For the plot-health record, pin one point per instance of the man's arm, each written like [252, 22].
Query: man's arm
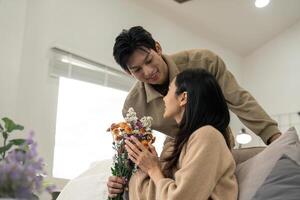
[273, 137]
[242, 103]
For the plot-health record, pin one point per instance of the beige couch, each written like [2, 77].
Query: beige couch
[258, 171]
[96, 173]
[243, 154]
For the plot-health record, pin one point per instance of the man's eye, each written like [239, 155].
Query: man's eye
[137, 70]
[148, 61]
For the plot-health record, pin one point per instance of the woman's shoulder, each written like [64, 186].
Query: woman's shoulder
[207, 134]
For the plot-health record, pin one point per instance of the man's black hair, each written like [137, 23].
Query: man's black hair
[130, 40]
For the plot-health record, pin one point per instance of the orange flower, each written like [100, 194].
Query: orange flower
[145, 143]
[115, 131]
[123, 125]
[117, 137]
[112, 127]
[142, 130]
[128, 130]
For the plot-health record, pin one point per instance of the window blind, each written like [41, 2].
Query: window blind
[66, 64]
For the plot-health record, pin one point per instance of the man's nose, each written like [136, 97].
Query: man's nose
[147, 70]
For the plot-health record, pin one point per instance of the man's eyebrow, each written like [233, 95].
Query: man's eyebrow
[137, 66]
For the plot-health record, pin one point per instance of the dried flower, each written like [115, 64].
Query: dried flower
[141, 129]
[147, 122]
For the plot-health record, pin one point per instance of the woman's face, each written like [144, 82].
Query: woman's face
[174, 104]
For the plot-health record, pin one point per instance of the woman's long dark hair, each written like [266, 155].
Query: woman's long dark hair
[206, 105]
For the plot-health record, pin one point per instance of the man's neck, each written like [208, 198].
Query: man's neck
[162, 89]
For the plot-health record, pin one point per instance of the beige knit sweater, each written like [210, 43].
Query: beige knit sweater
[205, 171]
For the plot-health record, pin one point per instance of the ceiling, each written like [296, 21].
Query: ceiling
[234, 24]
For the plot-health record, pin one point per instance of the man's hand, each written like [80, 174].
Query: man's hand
[115, 185]
[273, 138]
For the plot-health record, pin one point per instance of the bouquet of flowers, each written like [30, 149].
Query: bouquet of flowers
[139, 128]
[21, 170]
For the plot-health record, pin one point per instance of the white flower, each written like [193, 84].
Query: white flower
[147, 122]
[131, 116]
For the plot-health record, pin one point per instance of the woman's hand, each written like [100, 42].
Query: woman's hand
[115, 185]
[145, 158]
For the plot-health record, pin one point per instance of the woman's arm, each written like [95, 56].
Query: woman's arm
[205, 160]
[204, 163]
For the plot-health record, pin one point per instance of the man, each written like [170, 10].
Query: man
[141, 56]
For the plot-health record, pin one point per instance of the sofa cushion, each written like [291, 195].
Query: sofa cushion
[252, 173]
[89, 185]
[283, 182]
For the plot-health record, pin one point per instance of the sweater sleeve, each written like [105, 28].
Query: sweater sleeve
[202, 166]
[240, 101]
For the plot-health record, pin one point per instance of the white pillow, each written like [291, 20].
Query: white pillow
[252, 173]
[89, 185]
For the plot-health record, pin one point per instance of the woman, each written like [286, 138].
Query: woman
[197, 163]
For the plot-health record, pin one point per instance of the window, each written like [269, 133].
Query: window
[84, 112]
[89, 100]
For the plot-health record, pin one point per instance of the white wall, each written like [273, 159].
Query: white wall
[272, 73]
[87, 28]
[12, 21]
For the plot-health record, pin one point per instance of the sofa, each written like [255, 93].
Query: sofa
[271, 172]
[243, 154]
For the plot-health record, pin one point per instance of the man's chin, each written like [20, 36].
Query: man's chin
[154, 83]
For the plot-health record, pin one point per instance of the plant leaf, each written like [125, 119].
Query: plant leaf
[19, 127]
[11, 126]
[5, 148]
[17, 141]
[1, 128]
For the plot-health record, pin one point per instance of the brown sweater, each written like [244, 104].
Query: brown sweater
[205, 171]
[146, 101]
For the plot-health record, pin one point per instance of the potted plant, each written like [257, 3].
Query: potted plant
[21, 169]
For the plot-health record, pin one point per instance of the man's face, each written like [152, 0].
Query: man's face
[148, 66]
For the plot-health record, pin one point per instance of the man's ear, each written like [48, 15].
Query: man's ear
[183, 99]
[158, 48]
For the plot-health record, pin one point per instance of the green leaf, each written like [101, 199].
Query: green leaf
[19, 127]
[5, 148]
[11, 126]
[1, 128]
[17, 141]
